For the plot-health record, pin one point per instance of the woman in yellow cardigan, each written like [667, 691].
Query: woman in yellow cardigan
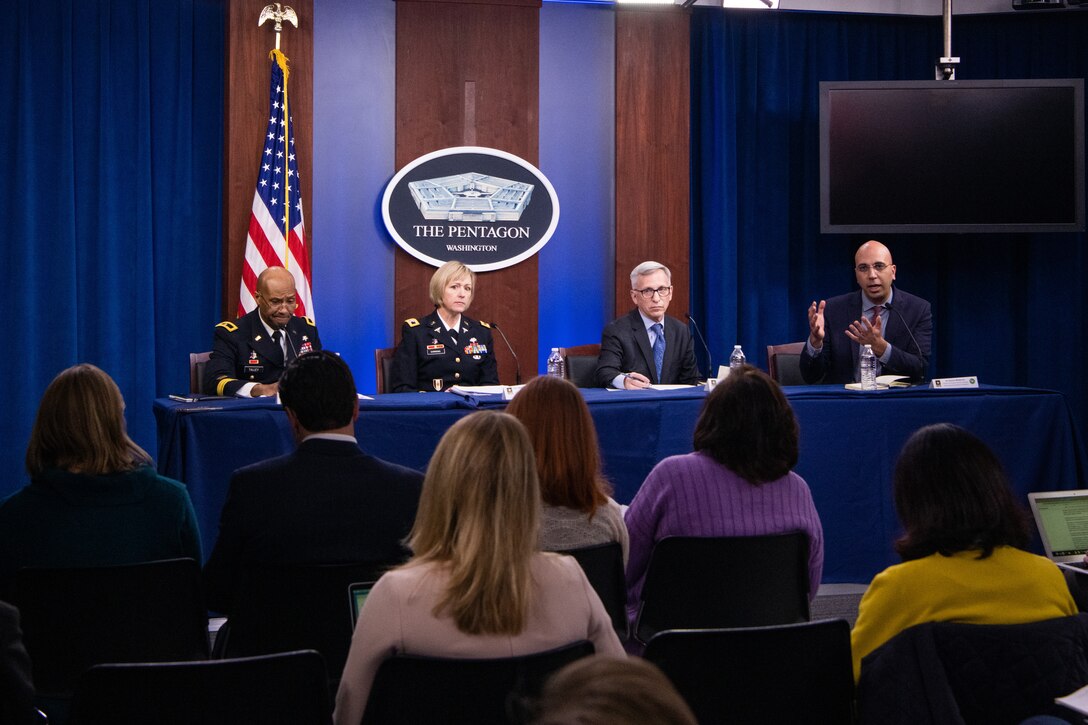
[962, 547]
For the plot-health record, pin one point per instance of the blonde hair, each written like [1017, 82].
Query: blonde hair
[445, 274]
[80, 426]
[478, 516]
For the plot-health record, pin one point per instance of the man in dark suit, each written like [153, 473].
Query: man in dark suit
[250, 353]
[647, 347]
[326, 503]
[896, 324]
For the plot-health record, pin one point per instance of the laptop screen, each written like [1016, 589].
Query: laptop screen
[1062, 518]
[357, 593]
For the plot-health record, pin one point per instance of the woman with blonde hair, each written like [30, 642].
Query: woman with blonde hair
[476, 585]
[94, 498]
[446, 347]
[578, 511]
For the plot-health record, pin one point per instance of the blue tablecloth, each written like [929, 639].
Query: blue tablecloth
[849, 441]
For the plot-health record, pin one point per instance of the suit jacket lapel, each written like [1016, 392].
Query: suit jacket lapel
[643, 340]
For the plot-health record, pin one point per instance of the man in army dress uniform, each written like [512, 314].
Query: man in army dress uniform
[249, 354]
[445, 348]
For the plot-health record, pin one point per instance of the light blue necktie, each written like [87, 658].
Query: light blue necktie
[659, 347]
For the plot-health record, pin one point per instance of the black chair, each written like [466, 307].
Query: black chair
[581, 364]
[791, 673]
[291, 607]
[950, 673]
[288, 687]
[733, 581]
[784, 363]
[75, 618]
[435, 690]
[603, 566]
[197, 362]
[383, 367]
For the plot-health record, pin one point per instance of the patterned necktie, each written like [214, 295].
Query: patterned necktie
[659, 347]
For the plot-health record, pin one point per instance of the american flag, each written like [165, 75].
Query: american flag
[277, 204]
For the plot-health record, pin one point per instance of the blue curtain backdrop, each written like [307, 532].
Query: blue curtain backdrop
[1007, 307]
[111, 134]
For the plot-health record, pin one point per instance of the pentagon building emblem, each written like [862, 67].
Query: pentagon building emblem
[485, 207]
[471, 197]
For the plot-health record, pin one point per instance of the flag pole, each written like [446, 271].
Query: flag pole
[278, 13]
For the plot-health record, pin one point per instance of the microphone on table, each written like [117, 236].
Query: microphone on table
[287, 336]
[917, 347]
[517, 365]
[709, 361]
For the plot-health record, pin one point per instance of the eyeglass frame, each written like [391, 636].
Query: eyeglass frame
[649, 292]
[864, 268]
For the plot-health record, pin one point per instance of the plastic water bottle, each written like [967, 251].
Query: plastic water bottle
[556, 367]
[737, 358]
[867, 366]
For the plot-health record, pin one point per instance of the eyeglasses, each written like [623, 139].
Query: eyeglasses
[649, 292]
[277, 302]
[879, 267]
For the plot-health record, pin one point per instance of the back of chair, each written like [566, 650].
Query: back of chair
[383, 366]
[949, 673]
[435, 690]
[790, 673]
[280, 608]
[603, 566]
[75, 618]
[784, 363]
[287, 687]
[197, 362]
[581, 364]
[732, 581]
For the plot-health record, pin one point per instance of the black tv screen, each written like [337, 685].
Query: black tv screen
[952, 156]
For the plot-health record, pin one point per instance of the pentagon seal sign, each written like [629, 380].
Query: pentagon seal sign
[485, 207]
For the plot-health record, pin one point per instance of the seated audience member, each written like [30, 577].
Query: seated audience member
[325, 503]
[446, 347]
[962, 547]
[250, 353]
[476, 585]
[895, 323]
[603, 690]
[16, 688]
[94, 498]
[647, 347]
[578, 511]
[738, 482]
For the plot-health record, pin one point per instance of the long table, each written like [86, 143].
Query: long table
[849, 442]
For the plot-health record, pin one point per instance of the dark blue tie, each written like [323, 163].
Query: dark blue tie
[659, 348]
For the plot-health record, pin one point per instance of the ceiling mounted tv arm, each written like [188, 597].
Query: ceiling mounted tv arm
[946, 66]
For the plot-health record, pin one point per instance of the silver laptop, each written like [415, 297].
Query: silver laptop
[1062, 518]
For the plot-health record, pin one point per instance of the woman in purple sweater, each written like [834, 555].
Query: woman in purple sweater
[738, 481]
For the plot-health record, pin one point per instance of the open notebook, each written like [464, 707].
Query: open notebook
[1062, 518]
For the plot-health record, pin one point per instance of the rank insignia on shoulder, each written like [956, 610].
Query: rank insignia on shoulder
[412, 322]
[485, 324]
[228, 326]
[310, 321]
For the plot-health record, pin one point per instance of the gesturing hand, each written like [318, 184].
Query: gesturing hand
[816, 324]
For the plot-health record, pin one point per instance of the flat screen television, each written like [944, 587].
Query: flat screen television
[952, 156]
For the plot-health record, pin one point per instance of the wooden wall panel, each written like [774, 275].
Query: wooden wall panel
[246, 109]
[653, 147]
[468, 74]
